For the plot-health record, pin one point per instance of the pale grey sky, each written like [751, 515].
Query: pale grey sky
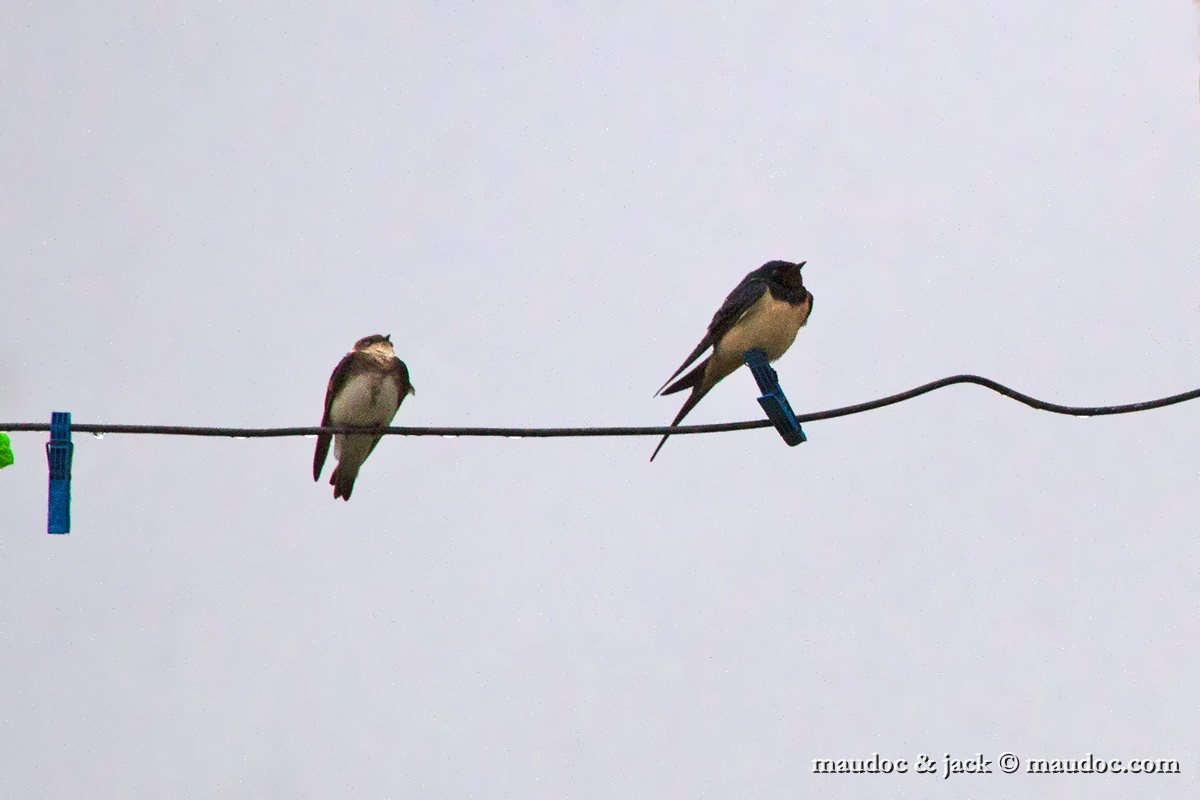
[543, 204]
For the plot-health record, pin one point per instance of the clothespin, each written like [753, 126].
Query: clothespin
[58, 452]
[773, 400]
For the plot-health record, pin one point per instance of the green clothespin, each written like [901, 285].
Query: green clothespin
[6, 456]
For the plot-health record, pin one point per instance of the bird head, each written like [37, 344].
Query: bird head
[374, 340]
[788, 273]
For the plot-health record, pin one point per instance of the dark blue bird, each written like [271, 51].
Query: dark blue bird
[766, 310]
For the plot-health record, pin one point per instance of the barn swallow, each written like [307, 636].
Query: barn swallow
[767, 310]
[366, 388]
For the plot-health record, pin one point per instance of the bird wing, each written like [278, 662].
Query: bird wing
[336, 381]
[744, 295]
[400, 370]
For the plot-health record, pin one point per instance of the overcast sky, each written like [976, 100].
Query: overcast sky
[202, 208]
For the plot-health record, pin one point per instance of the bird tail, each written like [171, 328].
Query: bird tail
[693, 378]
[698, 392]
[342, 479]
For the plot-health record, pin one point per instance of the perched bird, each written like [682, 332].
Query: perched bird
[366, 388]
[766, 310]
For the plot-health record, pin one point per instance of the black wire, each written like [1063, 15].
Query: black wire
[999, 388]
[844, 411]
[266, 433]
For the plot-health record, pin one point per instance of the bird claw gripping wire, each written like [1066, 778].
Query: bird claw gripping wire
[773, 400]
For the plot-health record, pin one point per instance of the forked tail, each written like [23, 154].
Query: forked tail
[342, 480]
[695, 397]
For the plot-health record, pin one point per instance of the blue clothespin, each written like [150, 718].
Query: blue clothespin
[58, 452]
[773, 400]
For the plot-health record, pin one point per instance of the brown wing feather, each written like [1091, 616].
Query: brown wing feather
[336, 381]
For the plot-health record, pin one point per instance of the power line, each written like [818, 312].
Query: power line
[844, 411]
